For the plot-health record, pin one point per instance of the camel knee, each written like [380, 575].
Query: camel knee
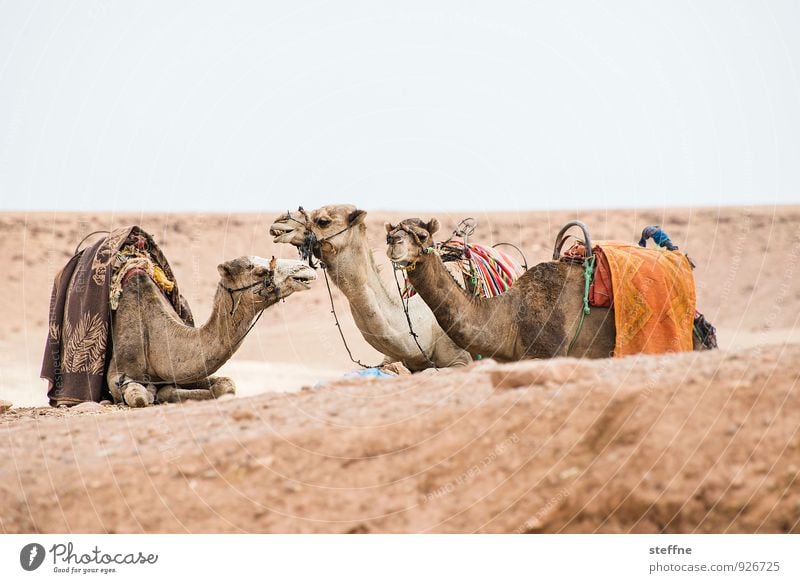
[113, 388]
[137, 395]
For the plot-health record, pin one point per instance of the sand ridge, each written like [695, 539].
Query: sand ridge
[700, 442]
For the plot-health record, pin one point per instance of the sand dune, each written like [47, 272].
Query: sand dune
[685, 443]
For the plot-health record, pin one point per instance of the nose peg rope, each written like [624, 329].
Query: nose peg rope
[336, 321]
[404, 303]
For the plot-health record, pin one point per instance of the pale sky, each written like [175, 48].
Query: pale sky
[239, 106]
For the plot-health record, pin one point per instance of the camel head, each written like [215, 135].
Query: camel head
[324, 231]
[262, 282]
[408, 241]
[290, 227]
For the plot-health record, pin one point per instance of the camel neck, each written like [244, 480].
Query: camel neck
[468, 320]
[437, 287]
[354, 272]
[223, 332]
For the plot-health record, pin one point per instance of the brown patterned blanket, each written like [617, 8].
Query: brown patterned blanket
[79, 336]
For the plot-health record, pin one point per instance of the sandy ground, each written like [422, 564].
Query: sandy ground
[676, 443]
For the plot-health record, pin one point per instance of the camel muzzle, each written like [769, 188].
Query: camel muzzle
[281, 232]
[396, 256]
[304, 278]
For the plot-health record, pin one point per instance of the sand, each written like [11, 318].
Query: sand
[697, 442]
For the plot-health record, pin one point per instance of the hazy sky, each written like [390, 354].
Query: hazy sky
[234, 106]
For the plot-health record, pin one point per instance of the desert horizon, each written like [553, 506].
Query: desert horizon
[48, 239]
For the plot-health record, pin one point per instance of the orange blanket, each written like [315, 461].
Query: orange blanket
[654, 299]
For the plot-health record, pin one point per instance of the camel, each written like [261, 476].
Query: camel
[537, 318]
[157, 357]
[341, 243]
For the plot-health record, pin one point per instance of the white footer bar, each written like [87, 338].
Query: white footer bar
[403, 558]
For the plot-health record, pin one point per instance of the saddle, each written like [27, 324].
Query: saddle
[651, 290]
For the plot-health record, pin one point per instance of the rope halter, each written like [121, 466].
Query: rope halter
[267, 284]
[418, 235]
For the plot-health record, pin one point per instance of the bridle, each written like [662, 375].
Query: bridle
[416, 236]
[312, 245]
[267, 286]
[308, 250]
[410, 267]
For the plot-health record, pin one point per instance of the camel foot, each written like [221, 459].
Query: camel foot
[221, 386]
[137, 395]
[167, 394]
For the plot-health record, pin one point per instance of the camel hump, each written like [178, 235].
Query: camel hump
[134, 274]
[550, 273]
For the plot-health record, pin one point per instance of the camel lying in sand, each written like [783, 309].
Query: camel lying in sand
[376, 308]
[156, 356]
[536, 318]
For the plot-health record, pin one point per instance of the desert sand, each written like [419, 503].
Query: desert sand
[676, 443]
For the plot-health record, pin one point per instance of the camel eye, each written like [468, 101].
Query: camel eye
[323, 222]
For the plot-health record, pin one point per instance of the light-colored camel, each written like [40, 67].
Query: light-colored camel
[536, 318]
[157, 357]
[376, 307]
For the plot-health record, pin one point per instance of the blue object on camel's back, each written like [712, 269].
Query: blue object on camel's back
[659, 237]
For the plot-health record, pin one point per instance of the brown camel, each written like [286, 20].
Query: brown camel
[537, 318]
[376, 307]
[157, 357]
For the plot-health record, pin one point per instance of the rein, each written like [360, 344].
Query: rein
[406, 269]
[311, 249]
[268, 286]
[404, 303]
[336, 320]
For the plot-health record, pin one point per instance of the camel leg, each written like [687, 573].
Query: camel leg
[222, 386]
[175, 394]
[131, 393]
[210, 388]
[116, 394]
[217, 385]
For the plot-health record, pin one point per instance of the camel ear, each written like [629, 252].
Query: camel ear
[433, 226]
[225, 269]
[388, 226]
[357, 216]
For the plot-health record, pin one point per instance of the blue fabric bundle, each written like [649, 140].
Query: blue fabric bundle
[659, 237]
